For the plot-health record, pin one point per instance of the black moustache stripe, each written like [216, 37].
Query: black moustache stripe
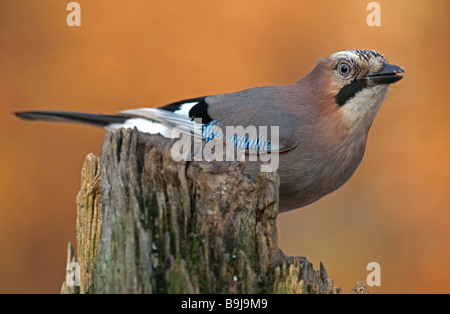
[348, 91]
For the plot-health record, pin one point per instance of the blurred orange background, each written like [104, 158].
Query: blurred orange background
[127, 54]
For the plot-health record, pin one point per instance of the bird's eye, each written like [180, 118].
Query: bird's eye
[344, 68]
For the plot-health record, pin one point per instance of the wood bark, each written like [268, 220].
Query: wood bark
[149, 224]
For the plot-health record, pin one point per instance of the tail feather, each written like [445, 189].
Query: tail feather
[100, 120]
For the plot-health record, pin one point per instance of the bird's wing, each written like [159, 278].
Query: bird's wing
[258, 109]
[184, 115]
[266, 107]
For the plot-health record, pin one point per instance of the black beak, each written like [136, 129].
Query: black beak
[387, 75]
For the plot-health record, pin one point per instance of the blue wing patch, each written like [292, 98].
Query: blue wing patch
[209, 132]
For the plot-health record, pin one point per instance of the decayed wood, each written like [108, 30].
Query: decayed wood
[87, 227]
[180, 227]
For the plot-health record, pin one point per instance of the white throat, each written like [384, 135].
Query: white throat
[360, 111]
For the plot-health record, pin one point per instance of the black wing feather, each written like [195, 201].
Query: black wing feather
[200, 110]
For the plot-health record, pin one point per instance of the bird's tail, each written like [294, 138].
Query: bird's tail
[100, 120]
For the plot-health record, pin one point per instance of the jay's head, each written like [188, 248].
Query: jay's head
[357, 81]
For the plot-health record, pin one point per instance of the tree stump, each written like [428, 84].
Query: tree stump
[148, 224]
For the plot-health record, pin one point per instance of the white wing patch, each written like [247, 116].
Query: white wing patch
[143, 125]
[185, 108]
[168, 119]
[155, 120]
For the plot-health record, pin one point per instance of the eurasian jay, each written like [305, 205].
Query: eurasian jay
[323, 121]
